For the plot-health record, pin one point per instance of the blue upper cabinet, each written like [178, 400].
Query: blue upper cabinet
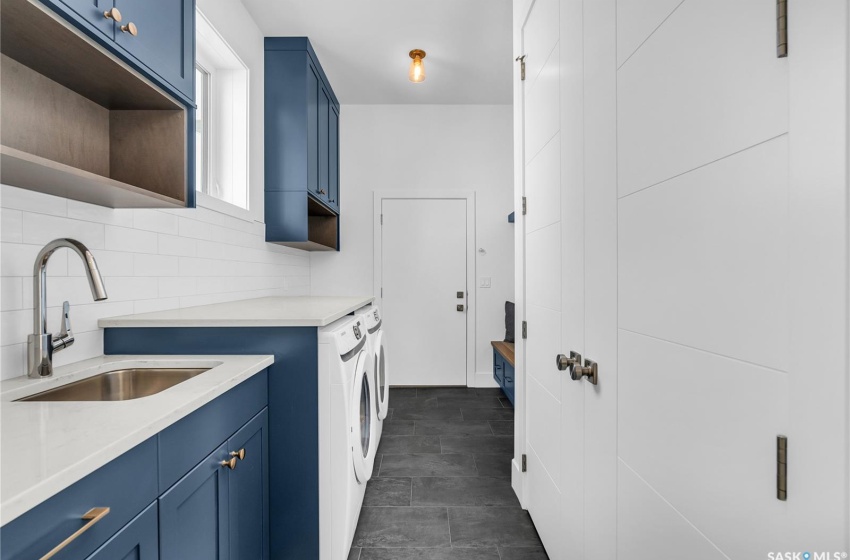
[164, 40]
[156, 37]
[302, 147]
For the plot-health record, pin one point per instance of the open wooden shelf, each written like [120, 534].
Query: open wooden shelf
[78, 123]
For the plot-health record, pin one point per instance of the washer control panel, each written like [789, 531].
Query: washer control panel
[349, 336]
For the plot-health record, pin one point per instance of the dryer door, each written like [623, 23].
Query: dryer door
[382, 385]
[363, 421]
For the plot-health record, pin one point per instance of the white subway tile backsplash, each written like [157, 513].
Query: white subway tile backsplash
[153, 220]
[151, 260]
[155, 265]
[21, 199]
[178, 246]
[130, 240]
[40, 229]
[11, 294]
[11, 226]
[90, 213]
[18, 260]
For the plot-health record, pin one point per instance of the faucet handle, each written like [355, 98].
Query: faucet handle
[66, 335]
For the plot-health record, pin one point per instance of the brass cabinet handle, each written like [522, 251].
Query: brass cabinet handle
[112, 13]
[230, 463]
[238, 454]
[92, 516]
[130, 28]
[322, 191]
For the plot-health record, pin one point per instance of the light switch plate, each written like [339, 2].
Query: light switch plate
[484, 282]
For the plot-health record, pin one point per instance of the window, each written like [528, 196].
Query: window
[221, 127]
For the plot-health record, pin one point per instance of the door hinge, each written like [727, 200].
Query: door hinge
[382, 292]
[382, 219]
[781, 468]
[521, 60]
[524, 329]
[781, 28]
[524, 206]
[524, 462]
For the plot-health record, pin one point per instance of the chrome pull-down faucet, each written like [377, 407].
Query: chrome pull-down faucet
[41, 345]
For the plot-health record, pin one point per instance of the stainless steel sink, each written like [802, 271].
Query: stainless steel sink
[119, 385]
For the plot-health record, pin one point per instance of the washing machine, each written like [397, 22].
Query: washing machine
[371, 317]
[347, 432]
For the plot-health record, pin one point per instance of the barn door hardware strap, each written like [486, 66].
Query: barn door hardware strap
[781, 28]
[781, 468]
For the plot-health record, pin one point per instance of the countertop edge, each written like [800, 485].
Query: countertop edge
[144, 320]
[25, 501]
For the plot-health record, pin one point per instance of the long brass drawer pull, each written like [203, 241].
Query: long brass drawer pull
[92, 516]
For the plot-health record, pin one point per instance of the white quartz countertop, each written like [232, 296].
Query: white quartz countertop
[261, 312]
[48, 446]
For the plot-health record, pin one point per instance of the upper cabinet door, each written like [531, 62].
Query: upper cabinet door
[93, 12]
[164, 40]
[313, 89]
[324, 109]
[333, 156]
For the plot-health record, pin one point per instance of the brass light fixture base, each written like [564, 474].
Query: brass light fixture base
[417, 52]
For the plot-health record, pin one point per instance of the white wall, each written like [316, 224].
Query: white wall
[150, 259]
[421, 147]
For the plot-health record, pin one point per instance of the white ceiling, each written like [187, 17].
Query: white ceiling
[363, 46]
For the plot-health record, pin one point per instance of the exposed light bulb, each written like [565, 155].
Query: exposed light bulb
[416, 73]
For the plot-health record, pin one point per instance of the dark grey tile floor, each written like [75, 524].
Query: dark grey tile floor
[441, 489]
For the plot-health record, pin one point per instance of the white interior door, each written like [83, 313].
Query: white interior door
[424, 289]
[554, 278]
[706, 332]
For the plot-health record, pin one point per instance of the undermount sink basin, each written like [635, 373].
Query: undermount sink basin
[119, 385]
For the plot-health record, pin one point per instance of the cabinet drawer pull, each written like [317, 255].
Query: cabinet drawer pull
[112, 13]
[230, 464]
[130, 28]
[238, 454]
[92, 516]
[322, 191]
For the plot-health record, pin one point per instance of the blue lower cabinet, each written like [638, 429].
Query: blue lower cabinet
[503, 373]
[498, 368]
[220, 509]
[138, 540]
[194, 513]
[126, 486]
[293, 419]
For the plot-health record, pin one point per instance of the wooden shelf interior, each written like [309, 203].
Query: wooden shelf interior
[77, 123]
[322, 226]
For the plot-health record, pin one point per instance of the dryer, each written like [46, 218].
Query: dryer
[376, 339]
[347, 432]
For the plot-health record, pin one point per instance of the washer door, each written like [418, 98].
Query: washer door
[382, 385]
[362, 423]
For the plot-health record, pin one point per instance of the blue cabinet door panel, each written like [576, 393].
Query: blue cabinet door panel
[184, 444]
[313, 92]
[126, 486]
[89, 11]
[193, 514]
[324, 137]
[166, 39]
[249, 491]
[333, 157]
[138, 540]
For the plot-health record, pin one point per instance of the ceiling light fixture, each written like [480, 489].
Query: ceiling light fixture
[417, 67]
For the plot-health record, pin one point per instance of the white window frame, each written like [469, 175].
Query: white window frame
[202, 197]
